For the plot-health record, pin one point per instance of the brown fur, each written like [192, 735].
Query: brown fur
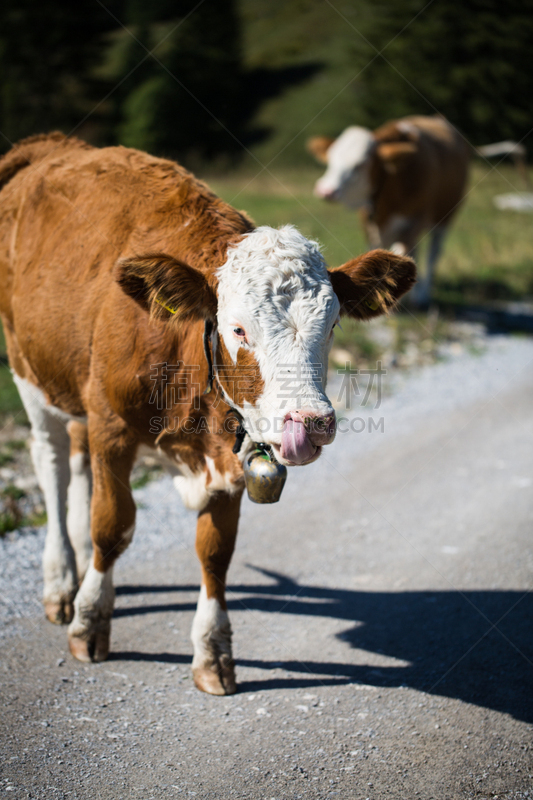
[79, 439]
[215, 542]
[242, 380]
[31, 150]
[418, 172]
[318, 146]
[373, 283]
[163, 286]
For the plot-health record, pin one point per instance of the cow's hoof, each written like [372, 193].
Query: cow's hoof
[92, 648]
[215, 680]
[59, 613]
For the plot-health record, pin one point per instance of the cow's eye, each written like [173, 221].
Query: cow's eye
[240, 333]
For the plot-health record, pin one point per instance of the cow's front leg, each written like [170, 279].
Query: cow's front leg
[79, 497]
[112, 525]
[424, 287]
[372, 231]
[212, 666]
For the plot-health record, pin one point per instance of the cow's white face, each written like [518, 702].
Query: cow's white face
[275, 307]
[347, 178]
[276, 315]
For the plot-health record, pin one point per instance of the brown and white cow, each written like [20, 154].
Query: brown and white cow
[406, 177]
[111, 263]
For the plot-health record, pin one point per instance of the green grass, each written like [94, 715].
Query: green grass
[13, 492]
[35, 520]
[307, 34]
[286, 196]
[8, 450]
[10, 403]
[355, 339]
[488, 254]
[144, 474]
[11, 515]
[8, 522]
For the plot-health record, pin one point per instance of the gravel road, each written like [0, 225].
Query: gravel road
[381, 615]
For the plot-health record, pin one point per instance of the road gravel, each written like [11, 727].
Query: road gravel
[381, 616]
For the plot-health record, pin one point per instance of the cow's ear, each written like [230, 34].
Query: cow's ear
[392, 154]
[166, 287]
[318, 146]
[373, 283]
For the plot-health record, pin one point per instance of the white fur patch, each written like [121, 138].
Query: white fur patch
[79, 511]
[95, 600]
[211, 631]
[190, 485]
[347, 177]
[192, 489]
[50, 453]
[398, 248]
[34, 398]
[127, 536]
[275, 286]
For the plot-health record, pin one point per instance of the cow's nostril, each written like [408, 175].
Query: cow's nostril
[320, 428]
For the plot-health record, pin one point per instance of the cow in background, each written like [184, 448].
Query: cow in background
[407, 177]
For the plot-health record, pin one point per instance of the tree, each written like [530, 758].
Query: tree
[471, 62]
[47, 50]
[184, 100]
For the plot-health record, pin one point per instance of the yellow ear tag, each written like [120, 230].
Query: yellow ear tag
[163, 305]
[372, 304]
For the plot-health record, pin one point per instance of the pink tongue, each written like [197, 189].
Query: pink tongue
[295, 443]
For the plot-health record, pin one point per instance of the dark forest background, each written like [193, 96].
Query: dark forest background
[221, 81]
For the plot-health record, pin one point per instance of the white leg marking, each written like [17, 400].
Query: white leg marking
[94, 602]
[422, 290]
[399, 249]
[79, 507]
[50, 453]
[435, 249]
[211, 632]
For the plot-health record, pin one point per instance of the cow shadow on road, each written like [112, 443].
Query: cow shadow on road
[475, 646]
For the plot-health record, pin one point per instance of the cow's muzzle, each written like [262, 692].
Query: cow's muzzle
[325, 194]
[303, 436]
